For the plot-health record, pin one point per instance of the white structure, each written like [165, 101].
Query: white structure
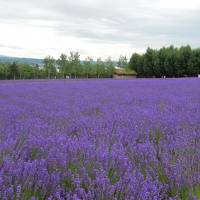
[198, 75]
[116, 67]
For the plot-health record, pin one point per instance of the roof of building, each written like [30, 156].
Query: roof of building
[125, 72]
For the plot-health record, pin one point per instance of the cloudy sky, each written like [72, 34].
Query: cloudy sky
[97, 28]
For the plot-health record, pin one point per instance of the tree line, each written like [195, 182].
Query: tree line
[20, 71]
[71, 66]
[167, 62]
[66, 66]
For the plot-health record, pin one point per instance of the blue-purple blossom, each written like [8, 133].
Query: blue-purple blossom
[100, 139]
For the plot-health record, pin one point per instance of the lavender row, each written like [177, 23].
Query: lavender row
[100, 139]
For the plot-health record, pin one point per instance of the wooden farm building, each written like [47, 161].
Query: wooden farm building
[121, 73]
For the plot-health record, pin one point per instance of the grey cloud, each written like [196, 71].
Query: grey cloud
[10, 46]
[133, 22]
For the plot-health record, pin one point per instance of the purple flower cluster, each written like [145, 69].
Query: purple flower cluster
[100, 139]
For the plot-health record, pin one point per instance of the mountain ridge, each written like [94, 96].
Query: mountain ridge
[20, 60]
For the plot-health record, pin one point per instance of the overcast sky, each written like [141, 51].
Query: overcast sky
[97, 28]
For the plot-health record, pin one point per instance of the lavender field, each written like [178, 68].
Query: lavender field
[100, 139]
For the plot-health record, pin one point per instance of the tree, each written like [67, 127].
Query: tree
[194, 64]
[109, 66]
[63, 64]
[100, 68]
[26, 71]
[88, 68]
[14, 70]
[74, 62]
[122, 62]
[1, 71]
[149, 62]
[49, 66]
[170, 64]
[4, 71]
[36, 71]
[185, 54]
[167, 61]
[160, 62]
[136, 64]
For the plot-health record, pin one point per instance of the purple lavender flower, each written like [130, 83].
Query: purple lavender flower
[100, 139]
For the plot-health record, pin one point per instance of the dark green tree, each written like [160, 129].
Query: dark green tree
[149, 62]
[14, 70]
[194, 64]
[136, 64]
[184, 57]
[170, 64]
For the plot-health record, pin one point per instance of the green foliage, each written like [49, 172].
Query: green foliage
[149, 62]
[194, 63]
[167, 61]
[88, 68]
[196, 191]
[113, 175]
[49, 66]
[26, 71]
[161, 175]
[4, 71]
[72, 167]
[27, 194]
[122, 62]
[13, 70]
[185, 193]
[75, 66]
[35, 153]
[63, 65]
[136, 63]
[67, 184]
[158, 136]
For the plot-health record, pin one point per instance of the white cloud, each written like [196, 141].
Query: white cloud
[36, 28]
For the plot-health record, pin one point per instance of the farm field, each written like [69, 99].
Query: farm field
[100, 139]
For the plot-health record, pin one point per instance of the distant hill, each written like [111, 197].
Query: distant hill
[30, 61]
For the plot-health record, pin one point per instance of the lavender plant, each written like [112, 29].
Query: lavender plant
[100, 139]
